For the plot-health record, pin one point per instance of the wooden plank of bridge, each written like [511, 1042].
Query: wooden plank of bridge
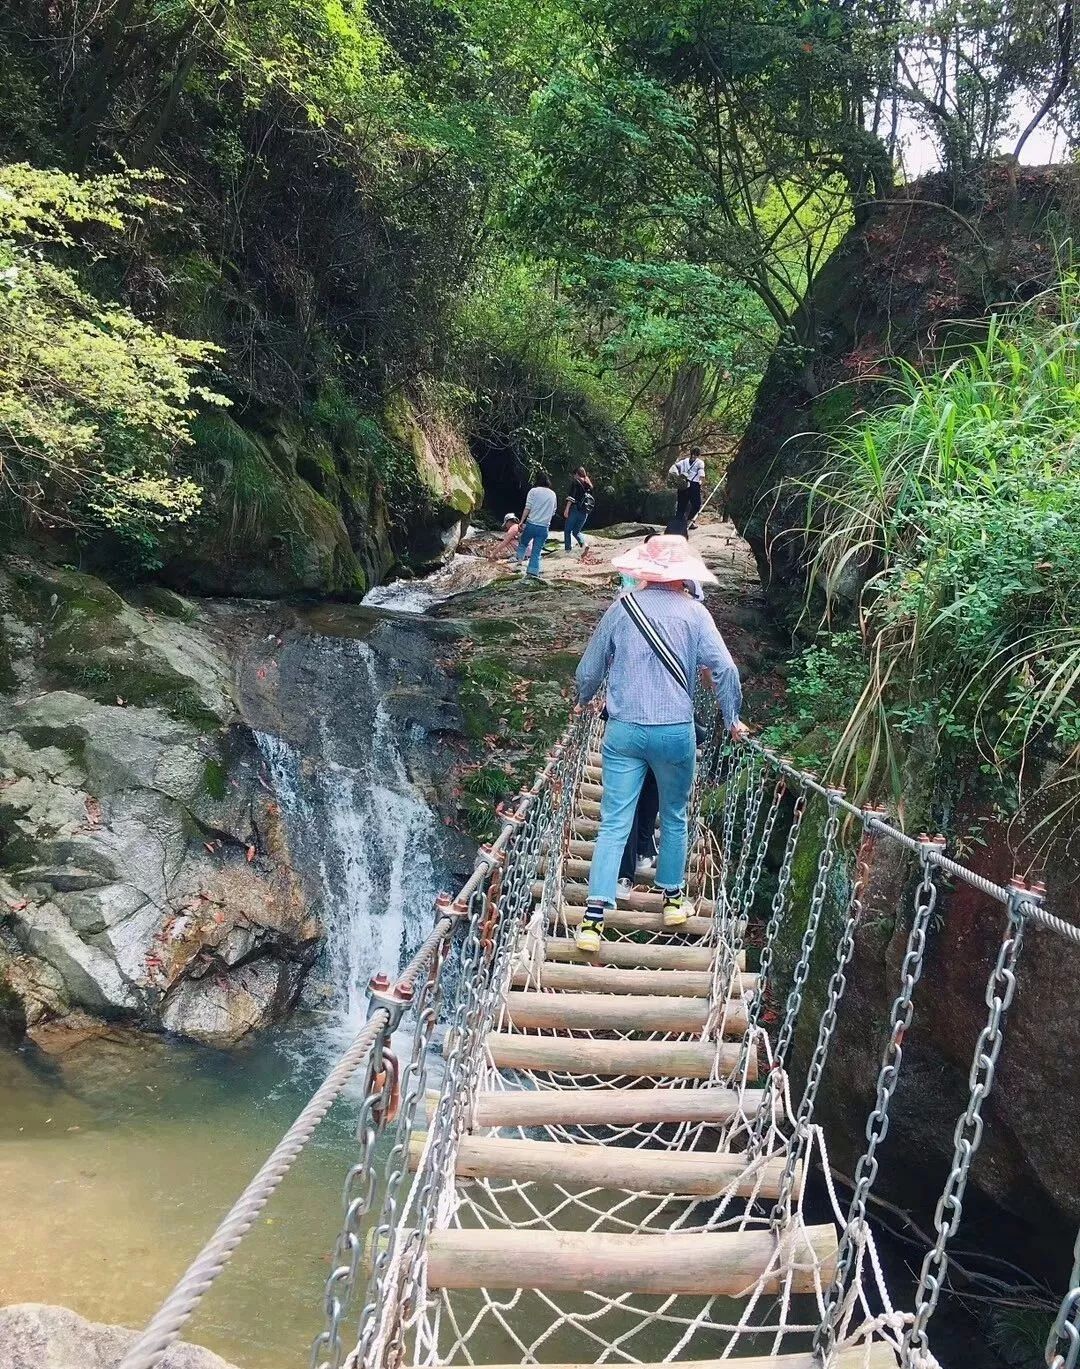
[636, 955]
[608, 979]
[640, 900]
[634, 920]
[572, 1012]
[613, 1107]
[693, 1173]
[709, 1263]
[577, 869]
[644, 1059]
[585, 848]
[878, 1355]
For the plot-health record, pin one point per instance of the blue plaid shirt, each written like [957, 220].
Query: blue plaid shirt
[639, 688]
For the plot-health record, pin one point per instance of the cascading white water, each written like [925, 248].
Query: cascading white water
[373, 843]
[417, 596]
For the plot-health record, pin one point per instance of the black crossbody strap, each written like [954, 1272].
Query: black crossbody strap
[664, 653]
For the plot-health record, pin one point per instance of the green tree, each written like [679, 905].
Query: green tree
[94, 404]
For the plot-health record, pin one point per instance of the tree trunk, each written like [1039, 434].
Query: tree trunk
[682, 409]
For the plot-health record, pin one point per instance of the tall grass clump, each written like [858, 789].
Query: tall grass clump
[950, 517]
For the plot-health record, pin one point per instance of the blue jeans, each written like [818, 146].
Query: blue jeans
[536, 534]
[574, 524]
[629, 750]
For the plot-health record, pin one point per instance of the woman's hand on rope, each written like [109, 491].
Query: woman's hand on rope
[739, 731]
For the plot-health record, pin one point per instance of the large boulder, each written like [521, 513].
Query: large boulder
[38, 1336]
[323, 506]
[143, 870]
[896, 286]
[448, 487]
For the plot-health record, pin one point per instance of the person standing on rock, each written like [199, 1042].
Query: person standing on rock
[650, 646]
[540, 505]
[579, 504]
[689, 477]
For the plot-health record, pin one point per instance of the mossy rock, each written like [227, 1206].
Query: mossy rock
[57, 594]
[445, 468]
[266, 531]
[215, 780]
[491, 629]
[169, 604]
[109, 677]
[8, 678]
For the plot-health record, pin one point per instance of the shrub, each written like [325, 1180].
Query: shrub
[951, 517]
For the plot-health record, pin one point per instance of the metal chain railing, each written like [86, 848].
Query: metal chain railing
[499, 907]
[1000, 989]
[1063, 1346]
[845, 949]
[877, 1125]
[800, 974]
[779, 907]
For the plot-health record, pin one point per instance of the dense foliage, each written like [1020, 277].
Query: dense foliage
[613, 206]
[952, 514]
[608, 211]
[93, 403]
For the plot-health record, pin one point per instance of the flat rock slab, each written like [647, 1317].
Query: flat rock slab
[37, 1336]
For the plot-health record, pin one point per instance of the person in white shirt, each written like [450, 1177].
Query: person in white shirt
[690, 474]
[540, 506]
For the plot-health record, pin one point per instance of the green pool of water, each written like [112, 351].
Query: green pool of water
[118, 1158]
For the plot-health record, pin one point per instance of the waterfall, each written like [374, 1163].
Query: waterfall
[363, 835]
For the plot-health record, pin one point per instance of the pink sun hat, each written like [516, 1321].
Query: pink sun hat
[663, 560]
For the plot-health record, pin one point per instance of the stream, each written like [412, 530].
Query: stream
[119, 1157]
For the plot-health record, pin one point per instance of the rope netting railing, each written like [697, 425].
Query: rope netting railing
[780, 864]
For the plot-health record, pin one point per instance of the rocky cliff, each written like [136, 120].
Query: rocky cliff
[902, 284]
[151, 868]
[326, 504]
[143, 872]
[899, 285]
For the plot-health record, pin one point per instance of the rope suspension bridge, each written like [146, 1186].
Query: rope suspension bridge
[613, 1167]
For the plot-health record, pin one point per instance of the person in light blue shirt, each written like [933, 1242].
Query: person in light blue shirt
[540, 506]
[651, 715]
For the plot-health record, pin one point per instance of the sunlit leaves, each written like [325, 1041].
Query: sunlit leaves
[94, 403]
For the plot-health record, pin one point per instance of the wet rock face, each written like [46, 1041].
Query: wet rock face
[357, 694]
[37, 1336]
[142, 868]
[293, 507]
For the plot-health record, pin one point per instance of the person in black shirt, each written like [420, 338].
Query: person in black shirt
[579, 504]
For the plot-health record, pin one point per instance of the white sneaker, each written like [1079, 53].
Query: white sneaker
[645, 868]
[625, 886]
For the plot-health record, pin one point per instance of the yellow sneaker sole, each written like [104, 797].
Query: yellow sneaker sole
[589, 942]
[675, 917]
